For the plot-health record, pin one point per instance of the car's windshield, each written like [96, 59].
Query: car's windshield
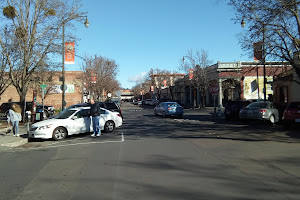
[257, 105]
[65, 114]
[295, 105]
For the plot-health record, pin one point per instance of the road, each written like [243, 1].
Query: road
[158, 158]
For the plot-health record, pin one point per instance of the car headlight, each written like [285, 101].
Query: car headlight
[45, 127]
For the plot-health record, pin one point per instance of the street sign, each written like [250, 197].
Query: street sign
[214, 89]
[43, 86]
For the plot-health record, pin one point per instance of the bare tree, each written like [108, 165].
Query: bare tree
[197, 61]
[275, 23]
[160, 79]
[4, 75]
[36, 35]
[100, 75]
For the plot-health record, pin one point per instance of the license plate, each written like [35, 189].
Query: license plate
[250, 111]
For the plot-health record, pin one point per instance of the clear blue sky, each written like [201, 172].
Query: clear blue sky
[144, 34]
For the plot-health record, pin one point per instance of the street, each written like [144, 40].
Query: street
[152, 157]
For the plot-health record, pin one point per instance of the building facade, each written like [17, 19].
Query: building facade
[73, 94]
[244, 80]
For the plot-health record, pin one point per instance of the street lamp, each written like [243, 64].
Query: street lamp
[86, 24]
[243, 24]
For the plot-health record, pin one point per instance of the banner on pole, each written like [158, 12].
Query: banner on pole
[191, 74]
[70, 53]
[258, 48]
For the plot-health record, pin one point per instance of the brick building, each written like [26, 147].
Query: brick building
[243, 80]
[73, 94]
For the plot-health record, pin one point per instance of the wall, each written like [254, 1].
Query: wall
[54, 97]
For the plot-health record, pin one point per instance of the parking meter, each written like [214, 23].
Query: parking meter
[28, 117]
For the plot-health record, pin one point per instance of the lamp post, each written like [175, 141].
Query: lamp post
[86, 24]
[243, 24]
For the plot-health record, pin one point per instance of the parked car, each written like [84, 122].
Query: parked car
[232, 108]
[135, 102]
[112, 106]
[168, 109]
[48, 110]
[265, 111]
[73, 121]
[292, 113]
[151, 102]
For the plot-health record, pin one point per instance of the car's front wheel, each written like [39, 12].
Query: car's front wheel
[59, 133]
[109, 126]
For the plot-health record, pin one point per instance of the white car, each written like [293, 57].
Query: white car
[73, 121]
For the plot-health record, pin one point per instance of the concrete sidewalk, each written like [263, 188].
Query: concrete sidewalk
[206, 114]
[8, 140]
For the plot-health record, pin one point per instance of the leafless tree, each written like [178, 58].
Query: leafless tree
[160, 79]
[198, 61]
[4, 75]
[100, 76]
[275, 23]
[35, 27]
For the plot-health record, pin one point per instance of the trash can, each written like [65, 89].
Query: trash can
[39, 115]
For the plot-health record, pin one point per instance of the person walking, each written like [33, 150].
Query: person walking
[95, 113]
[14, 116]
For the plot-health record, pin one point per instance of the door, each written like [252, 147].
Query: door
[80, 122]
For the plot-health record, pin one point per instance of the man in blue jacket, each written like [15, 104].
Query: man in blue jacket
[95, 113]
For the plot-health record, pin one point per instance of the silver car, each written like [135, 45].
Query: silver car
[261, 111]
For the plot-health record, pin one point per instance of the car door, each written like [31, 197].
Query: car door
[157, 109]
[103, 118]
[161, 108]
[79, 123]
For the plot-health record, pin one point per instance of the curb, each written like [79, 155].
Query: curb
[15, 144]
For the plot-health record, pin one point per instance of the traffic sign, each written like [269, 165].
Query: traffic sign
[214, 89]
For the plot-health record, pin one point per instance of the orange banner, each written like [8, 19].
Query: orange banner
[70, 53]
[191, 74]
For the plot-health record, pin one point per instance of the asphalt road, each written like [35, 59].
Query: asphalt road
[158, 158]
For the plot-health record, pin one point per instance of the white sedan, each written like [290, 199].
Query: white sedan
[73, 121]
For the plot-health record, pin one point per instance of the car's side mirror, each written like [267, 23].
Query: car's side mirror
[74, 117]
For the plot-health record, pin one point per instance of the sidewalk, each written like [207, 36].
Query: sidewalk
[206, 114]
[8, 140]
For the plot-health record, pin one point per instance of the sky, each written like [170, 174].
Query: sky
[144, 34]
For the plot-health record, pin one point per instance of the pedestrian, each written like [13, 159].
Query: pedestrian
[95, 113]
[14, 117]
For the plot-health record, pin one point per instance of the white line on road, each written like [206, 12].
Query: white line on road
[82, 143]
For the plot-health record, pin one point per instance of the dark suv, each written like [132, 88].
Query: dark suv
[232, 108]
[112, 106]
[48, 110]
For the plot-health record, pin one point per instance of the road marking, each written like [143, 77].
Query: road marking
[53, 145]
[65, 145]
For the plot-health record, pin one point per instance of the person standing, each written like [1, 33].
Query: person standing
[95, 113]
[14, 116]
